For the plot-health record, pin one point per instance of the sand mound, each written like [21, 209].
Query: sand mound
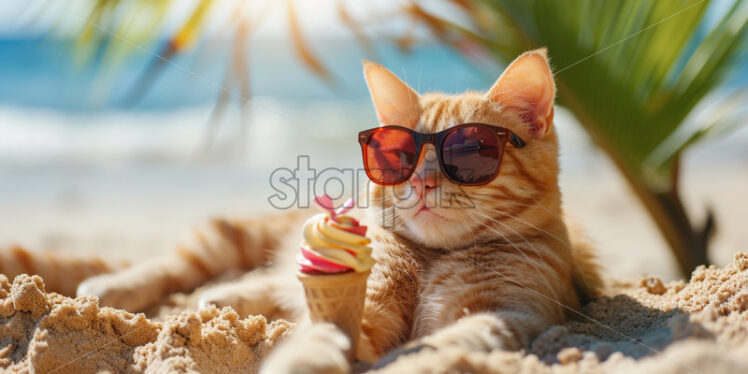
[48, 333]
[645, 326]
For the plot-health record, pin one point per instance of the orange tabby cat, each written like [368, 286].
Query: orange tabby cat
[486, 267]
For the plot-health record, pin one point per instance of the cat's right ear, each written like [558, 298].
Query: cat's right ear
[395, 102]
[527, 87]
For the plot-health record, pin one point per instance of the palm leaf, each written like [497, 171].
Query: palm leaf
[632, 72]
[628, 88]
[302, 48]
[356, 30]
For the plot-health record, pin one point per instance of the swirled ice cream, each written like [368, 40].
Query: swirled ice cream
[334, 243]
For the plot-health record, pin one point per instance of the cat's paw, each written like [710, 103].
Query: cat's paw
[118, 290]
[316, 348]
[247, 297]
[476, 332]
[217, 298]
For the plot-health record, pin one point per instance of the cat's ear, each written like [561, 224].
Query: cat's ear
[527, 87]
[396, 103]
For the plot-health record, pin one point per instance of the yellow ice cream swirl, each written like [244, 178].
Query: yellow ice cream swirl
[335, 245]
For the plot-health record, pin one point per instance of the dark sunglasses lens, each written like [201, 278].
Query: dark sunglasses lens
[390, 156]
[472, 154]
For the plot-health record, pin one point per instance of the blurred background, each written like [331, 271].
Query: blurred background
[123, 123]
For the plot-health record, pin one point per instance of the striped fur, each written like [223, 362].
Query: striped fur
[490, 269]
[61, 272]
[207, 252]
[494, 265]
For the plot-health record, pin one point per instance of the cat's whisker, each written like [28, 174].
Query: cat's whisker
[565, 243]
[533, 263]
[555, 216]
[514, 245]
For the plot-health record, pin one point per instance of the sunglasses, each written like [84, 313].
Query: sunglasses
[469, 154]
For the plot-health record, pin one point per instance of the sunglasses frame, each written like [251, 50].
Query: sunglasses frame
[437, 140]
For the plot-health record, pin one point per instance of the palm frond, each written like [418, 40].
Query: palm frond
[633, 72]
[301, 46]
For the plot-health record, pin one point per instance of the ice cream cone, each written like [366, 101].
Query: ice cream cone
[338, 299]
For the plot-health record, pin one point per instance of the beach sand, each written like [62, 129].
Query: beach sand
[645, 326]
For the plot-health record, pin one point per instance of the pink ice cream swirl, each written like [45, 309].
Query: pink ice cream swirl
[334, 243]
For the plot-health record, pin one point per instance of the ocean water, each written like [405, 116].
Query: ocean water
[58, 117]
[42, 72]
[54, 111]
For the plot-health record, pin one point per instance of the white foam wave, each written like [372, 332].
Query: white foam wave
[276, 131]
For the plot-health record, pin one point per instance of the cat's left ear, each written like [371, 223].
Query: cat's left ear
[527, 87]
[395, 102]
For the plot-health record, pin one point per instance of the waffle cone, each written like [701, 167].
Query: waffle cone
[338, 299]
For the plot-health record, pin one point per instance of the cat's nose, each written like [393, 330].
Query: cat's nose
[422, 183]
[426, 176]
